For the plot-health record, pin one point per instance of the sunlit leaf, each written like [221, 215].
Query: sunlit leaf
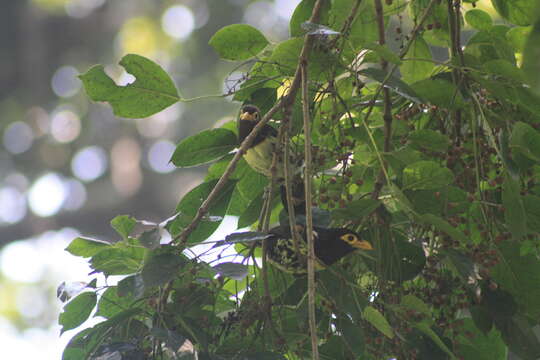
[203, 147]
[238, 42]
[77, 311]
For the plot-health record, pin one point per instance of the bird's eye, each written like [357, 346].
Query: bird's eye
[351, 238]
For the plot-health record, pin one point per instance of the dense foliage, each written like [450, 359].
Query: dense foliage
[432, 161]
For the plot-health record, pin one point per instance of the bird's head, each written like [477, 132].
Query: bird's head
[354, 240]
[250, 113]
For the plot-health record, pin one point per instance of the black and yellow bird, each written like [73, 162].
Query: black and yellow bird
[259, 155]
[330, 245]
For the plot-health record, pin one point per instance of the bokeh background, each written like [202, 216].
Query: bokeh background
[68, 166]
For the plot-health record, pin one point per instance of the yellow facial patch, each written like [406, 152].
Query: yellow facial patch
[355, 242]
[249, 116]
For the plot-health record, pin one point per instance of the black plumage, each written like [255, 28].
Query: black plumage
[330, 245]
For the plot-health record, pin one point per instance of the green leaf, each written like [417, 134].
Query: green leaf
[191, 202]
[162, 266]
[420, 65]
[118, 261]
[520, 276]
[85, 247]
[393, 83]
[152, 91]
[411, 302]
[517, 37]
[375, 318]
[302, 13]
[77, 311]
[518, 12]
[531, 54]
[204, 147]
[532, 209]
[426, 329]
[123, 224]
[505, 69]
[356, 209]
[238, 42]
[131, 286]
[478, 19]
[384, 52]
[525, 140]
[111, 303]
[440, 92]
[429, 140]
[514, 214]
[445, 227]
[426, 175]
[235, 271]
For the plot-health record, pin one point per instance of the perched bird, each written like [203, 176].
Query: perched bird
[260, 154]
[330, 246]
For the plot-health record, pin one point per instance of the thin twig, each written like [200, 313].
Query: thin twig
[309, 216]
[387, 115]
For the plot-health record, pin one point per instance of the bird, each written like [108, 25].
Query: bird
[260, 153]
[330, 245]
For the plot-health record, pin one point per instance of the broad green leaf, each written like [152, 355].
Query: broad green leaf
[514, 213]
[123, 224]
[505, 69]
[518, 12]
[426, 329]
[520, 276]
[131, 286]
[352, 334]
[392, 83]
[356, 209]
[531, 54]
[426, 175]
[302, 13]
[384, 52]
[417, 64]
[190, 203]
[375, 318]
[111, 303]
[204, 147]
[238, 42]
[517, 37]
[411, 302]
[429, 140]
[235, 271]
[520, 337]
[161, 266]
[152, 91]
[85, 247]
[440, 92]
[77, 311]
[118, 261]
[532, 209]
[478, 19]
[445, 227]
[525, 140]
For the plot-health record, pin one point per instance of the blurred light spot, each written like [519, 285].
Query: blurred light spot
[125, 79]
[262, 15]
[178, 22]
[157, 125]
[20, 261]
[18, 137]
[89, 163]
[65, 82]
[38, 118]
[31, 302]
[47, 195]
[159, 155]
[139, 35]
[125, 166]
[76, 195]
[17, 180]
[12, 205]
[285, 8]
[201, 12]
[65, 126]
[82, 8]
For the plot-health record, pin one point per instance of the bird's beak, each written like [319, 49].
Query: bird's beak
[247, 116]
[362, 244]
